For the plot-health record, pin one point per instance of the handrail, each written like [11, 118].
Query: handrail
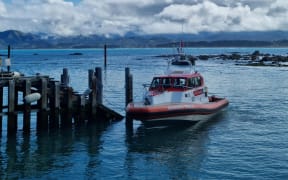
[192, 67]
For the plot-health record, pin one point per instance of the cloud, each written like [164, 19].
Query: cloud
[2, 8]
[144, 16]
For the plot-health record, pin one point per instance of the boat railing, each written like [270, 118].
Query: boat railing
[171, 71]
[146, 87]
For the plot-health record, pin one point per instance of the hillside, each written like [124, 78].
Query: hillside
[19, 39]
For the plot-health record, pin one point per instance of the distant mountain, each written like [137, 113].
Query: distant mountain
[18, 39]
[249, 36]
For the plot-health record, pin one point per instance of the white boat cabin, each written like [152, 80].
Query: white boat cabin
[177, 87]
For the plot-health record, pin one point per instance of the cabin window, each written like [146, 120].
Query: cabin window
[166, 82]
[194, 82]
[155, 83]
[179, 82]
[198, 80]
[191, 83]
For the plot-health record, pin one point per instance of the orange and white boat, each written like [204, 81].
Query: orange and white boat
[177, 96]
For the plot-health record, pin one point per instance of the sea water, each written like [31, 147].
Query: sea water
[247, 141]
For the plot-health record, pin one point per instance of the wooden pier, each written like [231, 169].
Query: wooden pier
[52, 99]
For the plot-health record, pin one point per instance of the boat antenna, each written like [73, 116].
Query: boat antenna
[192, 63]
[168, 66]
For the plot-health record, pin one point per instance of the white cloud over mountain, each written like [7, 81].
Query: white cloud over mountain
[143, 16]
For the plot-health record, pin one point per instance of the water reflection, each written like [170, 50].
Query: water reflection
[176, 151]
[33, 156]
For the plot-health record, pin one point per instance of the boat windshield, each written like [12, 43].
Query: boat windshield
[163, 83]
[195, 82]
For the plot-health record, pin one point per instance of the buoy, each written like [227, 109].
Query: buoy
[16, 74]
[32, 97]
[87, 92]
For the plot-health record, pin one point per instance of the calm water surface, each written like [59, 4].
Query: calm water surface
[247, 141]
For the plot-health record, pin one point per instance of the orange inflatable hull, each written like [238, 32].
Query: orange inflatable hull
[176, 112]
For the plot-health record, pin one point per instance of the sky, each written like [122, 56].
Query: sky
[108, 17]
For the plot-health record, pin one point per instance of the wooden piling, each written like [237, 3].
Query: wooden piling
[93, 97]
[44, 99]
[1, 107]
[12, 123]
[27, 107]
[54, 119]
[65, 119]
[99, 85]
[79, 116]
[54, 99]
[12, 117]
[105, 55]
[128, 86]
[42, 120]
[65, 78]
[128, 95]
[57, 100]
[16, 97]
[11, 96]
[68, 91]
[70, 99]
[8, 56]
[90, 77]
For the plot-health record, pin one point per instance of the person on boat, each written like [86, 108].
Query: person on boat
[176, 82]
[166, 83]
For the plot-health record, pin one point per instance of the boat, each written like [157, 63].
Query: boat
[182, 59]
[177, 96]
[8, 74]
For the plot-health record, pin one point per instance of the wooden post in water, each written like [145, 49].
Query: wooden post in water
[83, 111]
[12, 117]
[99, 85]
[93, 96]
[65, 78]
[68, 91]
[91, 92]
[44, 91]
[11, 96]
[70, 99]
[1, 107]
[42, 114]
[128, 95]
[96, 95]
[8, 56]
[66, 114]
[105, 55]
[54, 101]
[42, 120]
[27, 107]
[15, 96]
[128, 86]
[90, 77]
